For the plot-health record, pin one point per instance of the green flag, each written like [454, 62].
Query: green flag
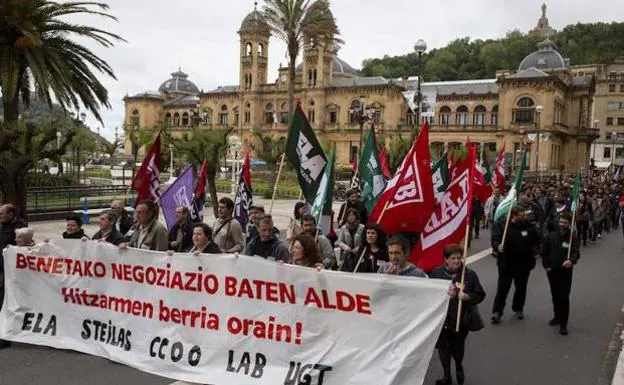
[372, 182]
[439, 174]
[305, 153]
[512, 196]
[575, 193]
[325, 189]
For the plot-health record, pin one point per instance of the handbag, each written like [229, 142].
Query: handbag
[475, 322]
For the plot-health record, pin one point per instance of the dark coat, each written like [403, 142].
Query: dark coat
[77, 235]
[125, 223]
[555, 249]
[477, 209]
[187, 235]
[521, 246]
[272, 249]
[7, 237]
[113, 237]
[343, 211]
[472, 287]
[371, 262]
[211, 248]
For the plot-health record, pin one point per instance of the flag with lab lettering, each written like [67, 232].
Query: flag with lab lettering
[512, 196]
[146, 181]
[372, 182]
[440, 175]
[305, 153]
[498, 174]
[447, 223]
[244, 193]
[407, 201]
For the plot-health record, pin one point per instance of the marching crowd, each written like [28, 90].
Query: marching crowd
[540, 225]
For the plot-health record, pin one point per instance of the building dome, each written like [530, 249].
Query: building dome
[545, 58]
[179, 83]
[339, 66]
[254, 21]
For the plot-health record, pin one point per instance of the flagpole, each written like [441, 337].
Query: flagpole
[513, 201]
[573, 219]
[279, 173]
[359, 260]
[463, 276]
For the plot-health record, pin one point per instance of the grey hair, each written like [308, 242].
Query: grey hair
[110, 215]
[25, 232]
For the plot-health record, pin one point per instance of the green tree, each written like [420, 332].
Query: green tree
[111, 149]
[270, 150]
[36, 48]
[202, 144]
[292, 21]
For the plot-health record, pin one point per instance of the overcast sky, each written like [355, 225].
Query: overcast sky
[200, 35]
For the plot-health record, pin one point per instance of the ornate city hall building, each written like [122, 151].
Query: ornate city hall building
[545, 103]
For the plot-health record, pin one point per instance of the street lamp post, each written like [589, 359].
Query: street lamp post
[363, 115]
[539, 109]
[171, 177]
[613, 138]
[420, 47]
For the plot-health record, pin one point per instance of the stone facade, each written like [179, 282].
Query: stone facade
[493, 112]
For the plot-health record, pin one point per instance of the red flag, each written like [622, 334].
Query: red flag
[383, 163]
[409, 192]
[146, 181]
[244, 193]
[199, 197]
[447, 223]
[354, 167]
[482, 189]
[498, 174]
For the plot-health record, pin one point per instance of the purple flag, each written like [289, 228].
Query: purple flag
[180, 193]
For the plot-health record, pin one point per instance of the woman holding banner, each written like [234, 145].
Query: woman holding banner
[452, 343]
[371, 254]
[202, 240]
[305, 253]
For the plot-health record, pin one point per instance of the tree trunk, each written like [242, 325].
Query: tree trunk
[14, 189]
[11, 109]
[291, 85]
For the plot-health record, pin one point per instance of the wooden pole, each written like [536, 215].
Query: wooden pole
[359, 260]
[572, 231]
[513, 201]
[463, 277]
[279, 173]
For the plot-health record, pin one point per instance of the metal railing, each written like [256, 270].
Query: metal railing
[54, 199]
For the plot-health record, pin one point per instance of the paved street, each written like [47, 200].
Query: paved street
[515, 352]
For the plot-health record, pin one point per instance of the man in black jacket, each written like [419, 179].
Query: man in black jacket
[266, 244]
[108, 232]
[8, 223]
[124, 220]
[181, 233]
[559, 255]
[515, 260]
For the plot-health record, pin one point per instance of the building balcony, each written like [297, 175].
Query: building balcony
[463, 127]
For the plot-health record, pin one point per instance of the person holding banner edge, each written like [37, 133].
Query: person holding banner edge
[149, 234]
[202, 240]
[451, 344]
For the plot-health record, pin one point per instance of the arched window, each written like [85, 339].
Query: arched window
[135, 112]
[248, 49]
[461, 116]
[207, 116]
[377, 112]
[524, 112]
[176, 120]
[260, 50]
[284, 113]
[269, 114]
[478, 118]
[494, 118]
[445, 116]
[354, 111]
[135, 118]
[223, 115]
[185, 119]
[168, 119]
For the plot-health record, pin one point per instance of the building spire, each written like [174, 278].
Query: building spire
[255, 5]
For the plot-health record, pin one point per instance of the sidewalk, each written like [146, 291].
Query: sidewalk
[282, 212]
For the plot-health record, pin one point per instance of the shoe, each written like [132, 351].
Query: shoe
[5, 344]
[461, 377]
[477, 236]
[519, 315]
[496, 318]
[563, 331]
[553, 322]
[444, 381]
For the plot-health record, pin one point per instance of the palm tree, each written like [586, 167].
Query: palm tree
[294, 20]
[36, 49]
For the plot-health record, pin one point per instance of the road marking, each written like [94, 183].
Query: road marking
[618, 375]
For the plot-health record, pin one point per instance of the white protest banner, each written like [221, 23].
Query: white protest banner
[222, 319]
